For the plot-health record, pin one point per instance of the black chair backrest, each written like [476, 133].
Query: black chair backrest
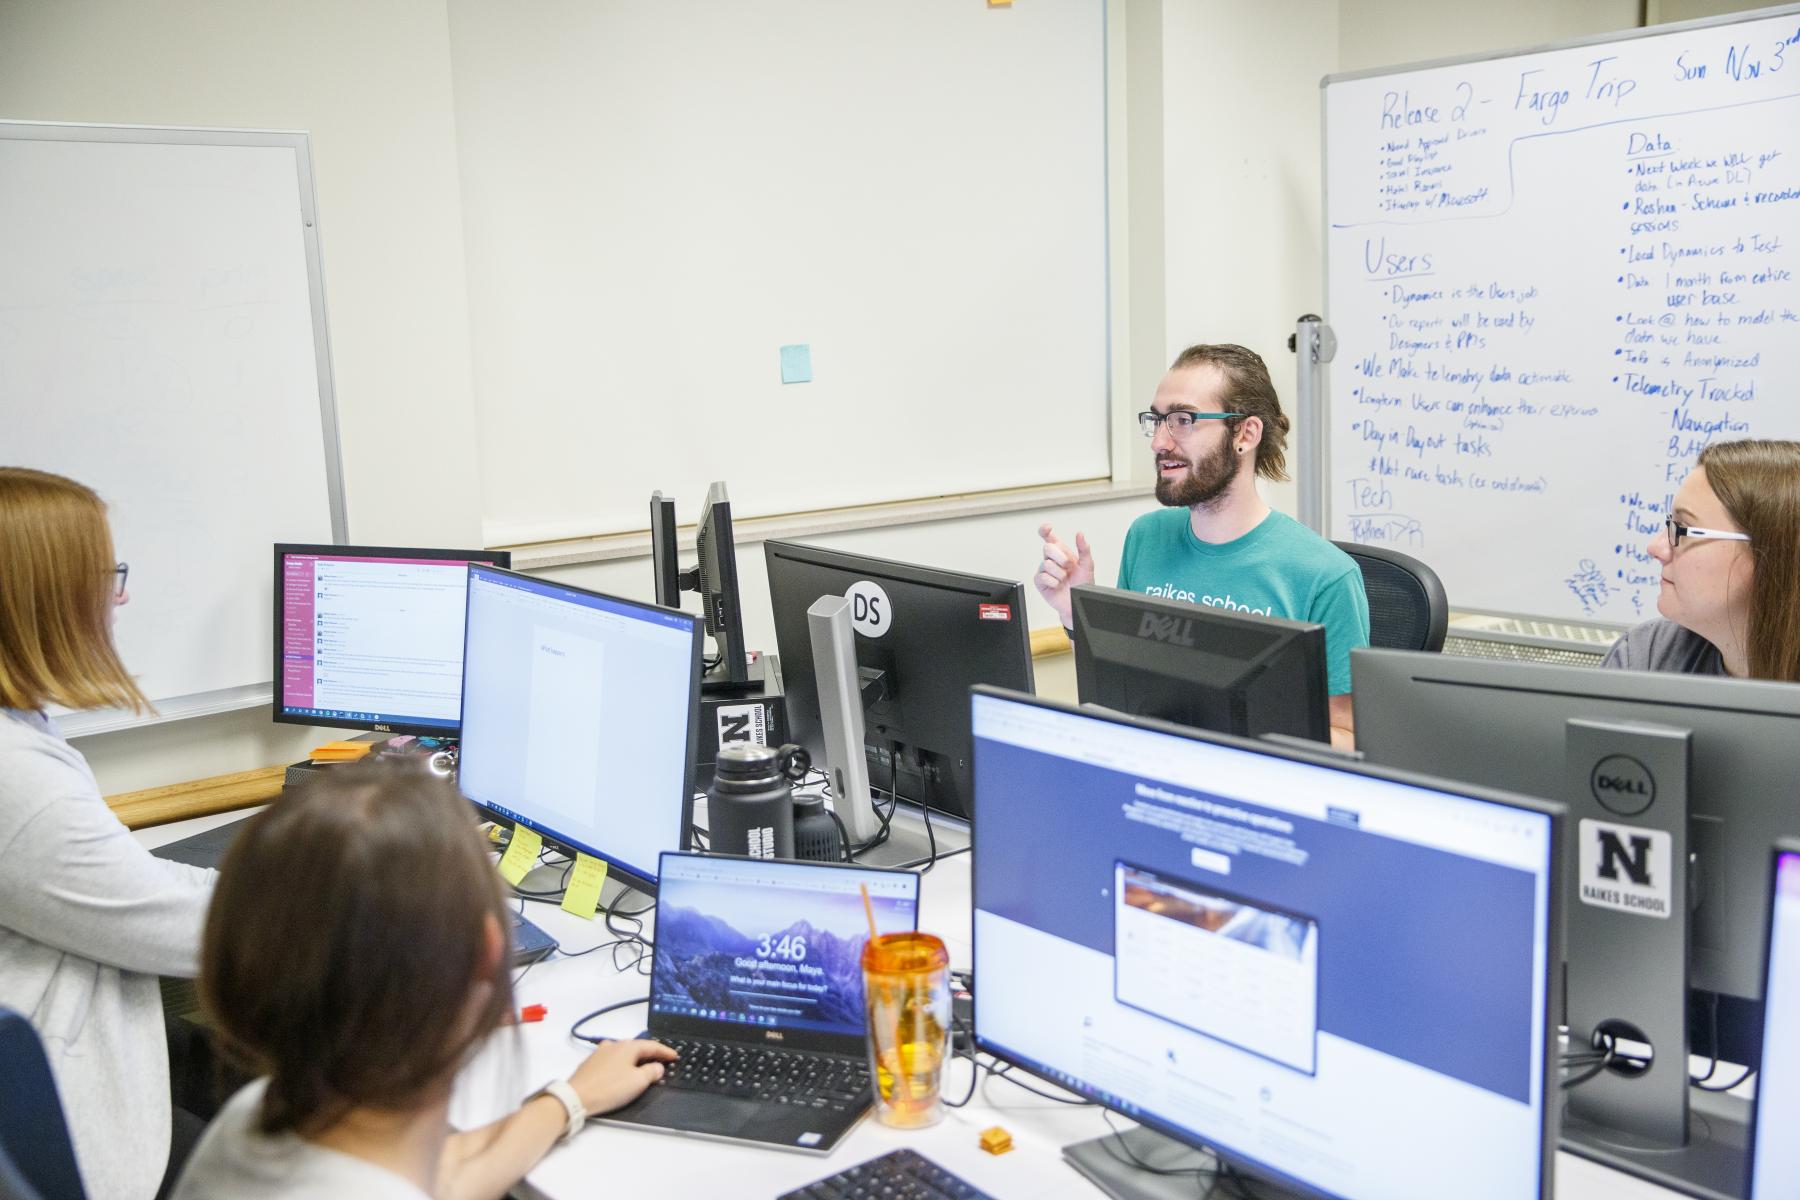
[34, 1137]
[1407, 606]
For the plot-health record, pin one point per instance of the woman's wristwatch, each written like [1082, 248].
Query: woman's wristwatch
[565, 1093]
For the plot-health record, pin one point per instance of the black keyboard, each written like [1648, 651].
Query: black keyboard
[899, 1174]
[775, 1076]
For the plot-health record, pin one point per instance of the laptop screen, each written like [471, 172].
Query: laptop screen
[752, 944]
[1776, 1153]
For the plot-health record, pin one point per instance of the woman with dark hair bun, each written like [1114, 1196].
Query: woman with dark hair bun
[1730, 557]
[355, 956]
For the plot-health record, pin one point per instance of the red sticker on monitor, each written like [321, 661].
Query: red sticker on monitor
[996, 612]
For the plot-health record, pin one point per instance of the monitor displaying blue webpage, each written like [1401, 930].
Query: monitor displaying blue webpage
[576, 714]
[776, 944]
[1338, 980]
[1776, 1170]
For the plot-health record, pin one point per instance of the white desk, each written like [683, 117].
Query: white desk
[614, 1161]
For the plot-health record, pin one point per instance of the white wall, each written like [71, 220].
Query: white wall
[1222, 238]
[1389, 33]
[371, 82]
[1241, 169]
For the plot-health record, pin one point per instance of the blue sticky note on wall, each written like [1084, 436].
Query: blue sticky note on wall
[796, 364]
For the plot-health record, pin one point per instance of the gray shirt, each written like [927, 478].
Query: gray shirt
[88, 920]
[237, 1161]
[1662, 645]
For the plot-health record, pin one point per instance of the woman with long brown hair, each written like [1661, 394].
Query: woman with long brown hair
[355, 955]
[88, 919]
[1730, 558]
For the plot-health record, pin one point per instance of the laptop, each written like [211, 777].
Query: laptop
[207, 848]
[756, 979]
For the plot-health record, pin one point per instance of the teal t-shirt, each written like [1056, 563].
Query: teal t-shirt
[1279, 569]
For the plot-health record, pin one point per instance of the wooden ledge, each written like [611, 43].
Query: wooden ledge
[199, 798]
[1050, 640]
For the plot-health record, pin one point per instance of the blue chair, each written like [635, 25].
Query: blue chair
[37, 1160]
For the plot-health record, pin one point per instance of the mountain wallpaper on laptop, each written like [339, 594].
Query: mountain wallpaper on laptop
[705, 961]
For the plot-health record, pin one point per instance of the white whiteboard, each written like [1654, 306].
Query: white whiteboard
[162, 339]
[658, 197]
[1554, 277]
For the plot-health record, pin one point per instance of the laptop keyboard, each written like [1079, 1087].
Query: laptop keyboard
[773, 1076]
[900, 1174]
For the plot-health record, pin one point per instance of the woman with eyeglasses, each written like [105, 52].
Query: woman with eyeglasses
[1730, 556]
[88, 919]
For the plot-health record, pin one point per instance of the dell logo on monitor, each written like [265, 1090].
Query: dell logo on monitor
[1176, 631]
[1622, 785]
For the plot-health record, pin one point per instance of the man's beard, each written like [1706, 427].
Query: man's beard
[1205, 481]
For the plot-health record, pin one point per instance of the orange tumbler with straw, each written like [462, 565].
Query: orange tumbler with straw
[906, 979]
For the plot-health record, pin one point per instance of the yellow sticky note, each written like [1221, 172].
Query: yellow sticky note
[521, 855]
[582, 896]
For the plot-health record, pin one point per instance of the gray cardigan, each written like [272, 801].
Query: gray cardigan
[88, 920]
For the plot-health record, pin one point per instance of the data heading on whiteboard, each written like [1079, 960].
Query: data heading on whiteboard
[1555, 278]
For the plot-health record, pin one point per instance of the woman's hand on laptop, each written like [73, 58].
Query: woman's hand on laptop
[617, 1073]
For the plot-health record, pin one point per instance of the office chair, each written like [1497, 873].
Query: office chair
[37, 1160]
[1407, 606]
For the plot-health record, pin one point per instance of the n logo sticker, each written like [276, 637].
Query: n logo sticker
[1626, 868]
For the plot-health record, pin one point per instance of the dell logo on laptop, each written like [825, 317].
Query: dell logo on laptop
[1176, 631]
[772, 1035]
[1622, 785]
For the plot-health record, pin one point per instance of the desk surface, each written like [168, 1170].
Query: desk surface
[617, 1161]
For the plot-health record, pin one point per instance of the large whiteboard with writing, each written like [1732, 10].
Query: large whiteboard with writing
[1555, 276]
[162, 340]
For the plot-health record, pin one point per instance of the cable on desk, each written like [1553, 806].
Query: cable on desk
[615, 1006]
[1740, 1081]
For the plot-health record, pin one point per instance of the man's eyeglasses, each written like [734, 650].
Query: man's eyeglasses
[121, 572]
[1180, 421]
[1676, 531]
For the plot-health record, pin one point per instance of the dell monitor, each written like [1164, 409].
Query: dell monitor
[1334, 977]
[923, 638]
[1774, 1150]
[714, 576]
[1208, 668]
[371, 637]
[1676, 787]
[579, 718]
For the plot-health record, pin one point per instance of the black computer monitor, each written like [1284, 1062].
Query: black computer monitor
[1209, 668]
[717, 582]
[665, 560]
[1660, 772]
[371, 637]
[1774, 1150]
[923, 637]
[714, 576]
[1337, 977]
[579, 718]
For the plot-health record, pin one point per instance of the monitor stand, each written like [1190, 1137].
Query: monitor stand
[718, 682]
[1111, 1163]
[1711, 1165]
[1626, 787]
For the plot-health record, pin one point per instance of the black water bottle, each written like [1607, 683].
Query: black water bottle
[750, 809]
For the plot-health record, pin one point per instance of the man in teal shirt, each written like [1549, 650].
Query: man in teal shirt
[1217, 543]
